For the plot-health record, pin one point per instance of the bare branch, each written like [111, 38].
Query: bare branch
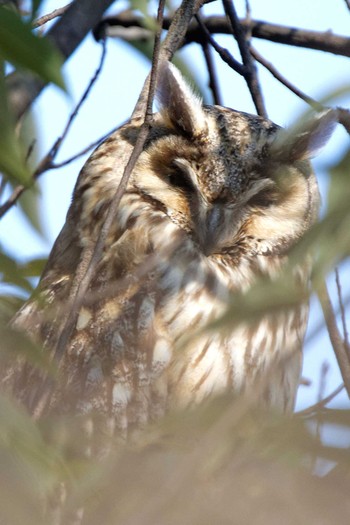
[66, 34]
[334, 335]
[57, 165]
[342, 312]
[291, 36]
[222, 52]
[274, 71]
[213, 81]
[249, 72]
[46, 163]
[320, 405]
[51, 16]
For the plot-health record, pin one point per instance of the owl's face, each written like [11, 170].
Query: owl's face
[226, 177]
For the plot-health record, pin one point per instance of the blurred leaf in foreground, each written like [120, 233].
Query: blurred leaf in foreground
[22, 48]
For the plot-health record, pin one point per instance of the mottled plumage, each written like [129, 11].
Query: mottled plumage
[216, 199]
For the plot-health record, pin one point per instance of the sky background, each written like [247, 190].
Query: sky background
[112, 100]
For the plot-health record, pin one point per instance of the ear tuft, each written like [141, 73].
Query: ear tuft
[307, 140]
[178, 103]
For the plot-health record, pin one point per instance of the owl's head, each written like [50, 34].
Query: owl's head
[227, 177]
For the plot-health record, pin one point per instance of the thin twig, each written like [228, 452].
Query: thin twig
[334, 335]
[46, 163]
[319, 421]
[315, 332]
[248, 20]
[50, 16]
[274, 71]
[222, 52]
[83, 98]
[313, 409]
[342, 312]
[213, 82]
[347, 4]
[57, 165]
[250, 72]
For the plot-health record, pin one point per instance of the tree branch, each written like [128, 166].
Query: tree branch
[320, 405]
[292, 36]
[50, 16]
[67, 33]
[283, 80]
[334, 335]
[222, 52]
[250, 73]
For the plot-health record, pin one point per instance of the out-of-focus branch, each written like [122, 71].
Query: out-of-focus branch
[292, 36]
[67, 33]
[320, 405]
[50, 16]
[342, 312]
[334, 335]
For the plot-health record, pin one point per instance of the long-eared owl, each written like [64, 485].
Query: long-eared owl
[215, 201]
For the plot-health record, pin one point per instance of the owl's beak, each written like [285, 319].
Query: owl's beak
[211, 230]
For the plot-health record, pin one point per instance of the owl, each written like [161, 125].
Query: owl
[215, 201]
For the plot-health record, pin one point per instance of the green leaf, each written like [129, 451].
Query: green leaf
[34, 267]
[29, 203]
[10, 273]
[9, 305]
[12, 162]
[35, 7]
[22, 48]
[148, 20]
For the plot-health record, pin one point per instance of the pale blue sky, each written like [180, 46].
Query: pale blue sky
[115, 94]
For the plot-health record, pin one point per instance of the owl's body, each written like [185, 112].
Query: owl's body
[211, 206]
